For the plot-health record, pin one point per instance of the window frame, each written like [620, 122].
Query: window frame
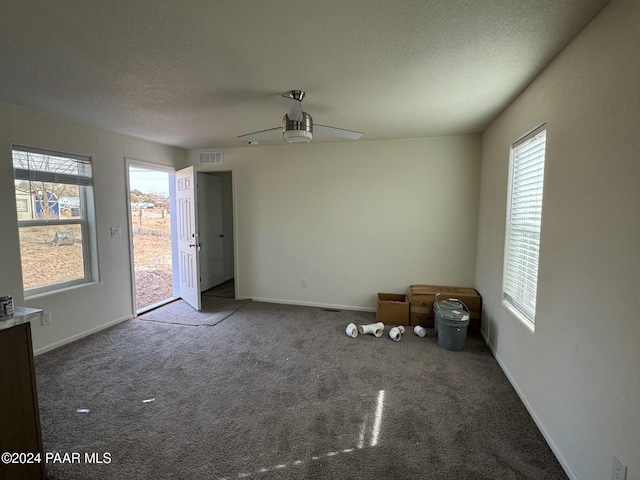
[518, 299]
[86, 220]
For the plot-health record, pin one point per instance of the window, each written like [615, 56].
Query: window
[54, 202]
[22, 205]
[524, 215]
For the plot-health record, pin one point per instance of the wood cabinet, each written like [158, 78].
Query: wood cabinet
[19, 414]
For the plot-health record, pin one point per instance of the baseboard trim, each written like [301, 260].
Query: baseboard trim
[309, 304]
[78, 336]
[563, 463]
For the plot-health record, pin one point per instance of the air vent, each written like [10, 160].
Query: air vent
[210, 158]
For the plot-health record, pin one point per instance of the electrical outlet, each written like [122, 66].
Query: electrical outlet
[46, 318]
[116, 231]
[619, 471]
[304, 283]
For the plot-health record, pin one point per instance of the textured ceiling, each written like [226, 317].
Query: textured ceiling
[198, 73]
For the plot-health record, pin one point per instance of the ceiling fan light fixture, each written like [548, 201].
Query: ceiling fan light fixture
[297, 132]
[297, 136]
[297, 125]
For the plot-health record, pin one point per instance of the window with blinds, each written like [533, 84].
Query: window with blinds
[524, 216]
[54, 204]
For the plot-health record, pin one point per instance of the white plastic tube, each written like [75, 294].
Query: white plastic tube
[420, 331]
[352, 330]
[395, 334]
[376, 329]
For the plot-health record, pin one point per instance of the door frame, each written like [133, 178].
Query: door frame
[171, 171]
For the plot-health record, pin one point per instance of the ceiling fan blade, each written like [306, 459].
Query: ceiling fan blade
[294, 108]
[259, 132]
[337, 132]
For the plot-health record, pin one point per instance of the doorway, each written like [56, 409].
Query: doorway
[150, 227]
[204, 245]
[215, 224]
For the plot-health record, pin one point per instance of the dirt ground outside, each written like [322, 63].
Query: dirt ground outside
[45, 262]
[152, 256]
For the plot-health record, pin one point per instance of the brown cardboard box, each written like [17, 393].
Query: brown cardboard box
[421, 315]
[422, 297]
[393, 309]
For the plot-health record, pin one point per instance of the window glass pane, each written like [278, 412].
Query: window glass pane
[38, 200]
[51, 254]
[54, 207]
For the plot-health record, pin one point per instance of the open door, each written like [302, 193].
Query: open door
[188, 237]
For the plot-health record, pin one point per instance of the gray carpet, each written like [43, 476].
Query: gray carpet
[225, 290]
[279, 391]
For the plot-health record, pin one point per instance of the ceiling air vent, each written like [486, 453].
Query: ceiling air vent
[210, 158]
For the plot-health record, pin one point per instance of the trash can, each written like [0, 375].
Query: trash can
[439, 305]
[452, 329]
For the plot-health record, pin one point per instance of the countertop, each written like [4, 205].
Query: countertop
[20, 315]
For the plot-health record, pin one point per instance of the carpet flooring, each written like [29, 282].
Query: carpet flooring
[225, 290]
[281, 392]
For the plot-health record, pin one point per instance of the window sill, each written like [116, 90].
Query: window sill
[57, 291]
[523, 320]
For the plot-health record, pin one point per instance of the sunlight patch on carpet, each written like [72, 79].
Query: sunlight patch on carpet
[375, 434]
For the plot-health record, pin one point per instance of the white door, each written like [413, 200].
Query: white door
[188, 238]
[211, 230]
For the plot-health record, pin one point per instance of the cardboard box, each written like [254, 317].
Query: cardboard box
[421, 315]
[393, 309]
[422, 297]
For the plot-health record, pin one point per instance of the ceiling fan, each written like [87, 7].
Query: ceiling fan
[298, 126]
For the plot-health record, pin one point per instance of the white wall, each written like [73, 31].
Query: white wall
[92, 307]
[353, 218]
[579, 372]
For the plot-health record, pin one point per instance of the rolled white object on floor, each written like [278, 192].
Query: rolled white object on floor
[395, 334]
[376, 329]
[352, 330]
[420, 331]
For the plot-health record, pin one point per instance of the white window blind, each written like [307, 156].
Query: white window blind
[522, 242]
[33, 164]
